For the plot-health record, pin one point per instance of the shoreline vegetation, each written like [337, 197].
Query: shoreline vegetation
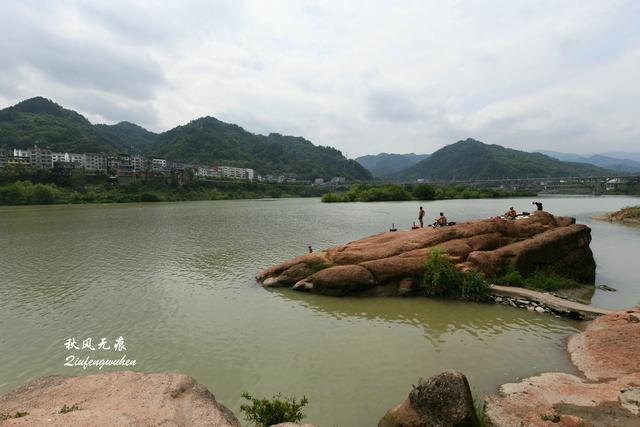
[397, 192]
[28, 186]
[628, 215]
[25, 192]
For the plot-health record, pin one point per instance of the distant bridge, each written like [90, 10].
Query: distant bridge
[572, 184]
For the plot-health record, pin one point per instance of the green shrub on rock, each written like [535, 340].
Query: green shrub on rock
[474, 286]
[267, 412]
[442, 279]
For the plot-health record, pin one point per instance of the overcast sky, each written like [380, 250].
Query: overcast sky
[364, 77]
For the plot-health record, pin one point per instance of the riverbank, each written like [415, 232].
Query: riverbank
[628, 215]
[606, 391]
[28, 193]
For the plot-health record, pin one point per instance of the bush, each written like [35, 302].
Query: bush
[267, 412]
[474, 286]
[149, 197]
[43, 194]
[424, 192]
[509, 277]
[442, 279]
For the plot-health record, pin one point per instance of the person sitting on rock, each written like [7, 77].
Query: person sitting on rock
[441, 221]
[538, 205]
[511, 213]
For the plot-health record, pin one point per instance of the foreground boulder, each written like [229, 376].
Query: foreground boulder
[117, 398]
[442, 400]
[606, 393]
[389, 263]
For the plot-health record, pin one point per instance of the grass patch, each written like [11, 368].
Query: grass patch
[543, 279]
[314, 267]
[481, 411]
[65, 409]
[443, 280]
[267, 412]
[18, 414]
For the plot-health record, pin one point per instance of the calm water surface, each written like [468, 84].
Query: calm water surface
[176, 281]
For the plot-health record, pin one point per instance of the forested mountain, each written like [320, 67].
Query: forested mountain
[208, 140]
[203, 141]
[43, 122]
[471, 159]
[621, 163]
[127, 137]
[386, 164]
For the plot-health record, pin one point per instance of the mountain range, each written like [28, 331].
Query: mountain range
[472, 159]
[622, 162]
[206, 140]
[384, 164]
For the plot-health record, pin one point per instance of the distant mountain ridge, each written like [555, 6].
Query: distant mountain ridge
[619, 162]
[387, 163]
[206, 140]
[473, 160]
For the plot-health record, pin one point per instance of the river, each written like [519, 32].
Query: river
[176, 281]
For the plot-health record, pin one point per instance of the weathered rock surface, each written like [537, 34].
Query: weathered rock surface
[607, 354]
[386, 263]
[442, 400]
[292, 425]
[116, 399]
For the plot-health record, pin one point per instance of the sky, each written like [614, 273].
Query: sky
[362, 76]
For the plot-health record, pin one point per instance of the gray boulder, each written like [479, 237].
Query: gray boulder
[443, 400]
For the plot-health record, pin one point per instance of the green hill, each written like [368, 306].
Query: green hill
[39, 120]
[208, 140]
[386, 164]
[202, 141]
[471, 159]
[127, 137]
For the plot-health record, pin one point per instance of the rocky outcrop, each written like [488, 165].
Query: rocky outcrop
[117, 398]
[629, 215]
[388, 263]
[607, 355]
[442, 400]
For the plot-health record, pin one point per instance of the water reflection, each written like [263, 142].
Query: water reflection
[436, 318]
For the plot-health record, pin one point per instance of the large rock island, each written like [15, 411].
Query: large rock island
[392, 263]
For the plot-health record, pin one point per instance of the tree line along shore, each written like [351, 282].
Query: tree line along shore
[397, 192]
[38, 186]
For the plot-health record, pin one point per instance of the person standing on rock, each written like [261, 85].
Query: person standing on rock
[421, 214]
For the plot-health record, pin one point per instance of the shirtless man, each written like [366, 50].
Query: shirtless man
[511, 213]
[442, 220]
[421, 214]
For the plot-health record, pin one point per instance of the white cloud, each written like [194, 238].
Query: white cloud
[362, 76]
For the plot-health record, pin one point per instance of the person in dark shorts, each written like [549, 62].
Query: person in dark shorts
[421, 214]
[538, 205]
